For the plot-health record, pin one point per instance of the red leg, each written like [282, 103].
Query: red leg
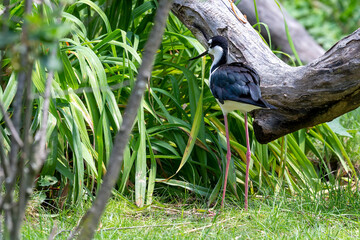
[248, 155]
[228, 158]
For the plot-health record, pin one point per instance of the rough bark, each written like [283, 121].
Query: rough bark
[305, 96]
[270, 14]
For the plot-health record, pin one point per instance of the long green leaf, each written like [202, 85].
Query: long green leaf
[140, 172]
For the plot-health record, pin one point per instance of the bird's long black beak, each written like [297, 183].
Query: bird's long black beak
[203, 54]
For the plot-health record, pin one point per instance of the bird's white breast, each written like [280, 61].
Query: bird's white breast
[230, 106]
[217, 52]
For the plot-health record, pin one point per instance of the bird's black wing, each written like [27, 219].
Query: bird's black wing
[237, 82]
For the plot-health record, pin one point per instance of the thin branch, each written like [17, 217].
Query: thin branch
[5, 164]
[42, 132]
[11, 212]
[143, 226]
[26, 178]
[53, 233]
[127, 228]
[16, 117]
[209, 225]
[14, 215]
[38, 154]
[4, 171]
[92, 217]
[11, 127]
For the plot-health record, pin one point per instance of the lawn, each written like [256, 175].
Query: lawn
[335, 215]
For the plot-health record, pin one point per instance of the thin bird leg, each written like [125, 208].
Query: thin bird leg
[248, 155]
[228, 158]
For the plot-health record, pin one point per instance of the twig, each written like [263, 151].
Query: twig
[11, 127]
[34, 153]
[42, 132]
[91, 219]
[26, 178]
[38, 154]
[5, 164]
[207, 226]
[143, 226]
[232, 7]
[53, 233]
[126, 228]
[3, 157]
[167, 209]
[13, 217]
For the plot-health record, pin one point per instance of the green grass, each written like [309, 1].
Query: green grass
[350, 121]
[179, 130]
[335, 215]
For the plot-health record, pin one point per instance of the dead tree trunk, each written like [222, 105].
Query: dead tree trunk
[270, 14]
[305, 96]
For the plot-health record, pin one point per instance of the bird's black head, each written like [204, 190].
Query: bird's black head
[218, 41]
[218, 47]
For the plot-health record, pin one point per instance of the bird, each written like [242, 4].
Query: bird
[235, 86]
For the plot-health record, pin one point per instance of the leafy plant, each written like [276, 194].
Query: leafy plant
[178, 139]
[327, 20]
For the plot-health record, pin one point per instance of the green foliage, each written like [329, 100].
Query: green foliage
[326, 20]
[178, 139]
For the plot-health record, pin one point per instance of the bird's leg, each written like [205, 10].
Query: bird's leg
[248, 155]
[228, 158]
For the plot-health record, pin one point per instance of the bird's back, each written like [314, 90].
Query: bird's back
[237, 83]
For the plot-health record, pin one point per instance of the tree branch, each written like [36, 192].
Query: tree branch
[305, 96]
[92, 217]
[11, 127]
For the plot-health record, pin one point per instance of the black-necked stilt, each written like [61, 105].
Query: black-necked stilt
[235, 86]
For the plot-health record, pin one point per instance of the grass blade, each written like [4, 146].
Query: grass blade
[140, 172]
